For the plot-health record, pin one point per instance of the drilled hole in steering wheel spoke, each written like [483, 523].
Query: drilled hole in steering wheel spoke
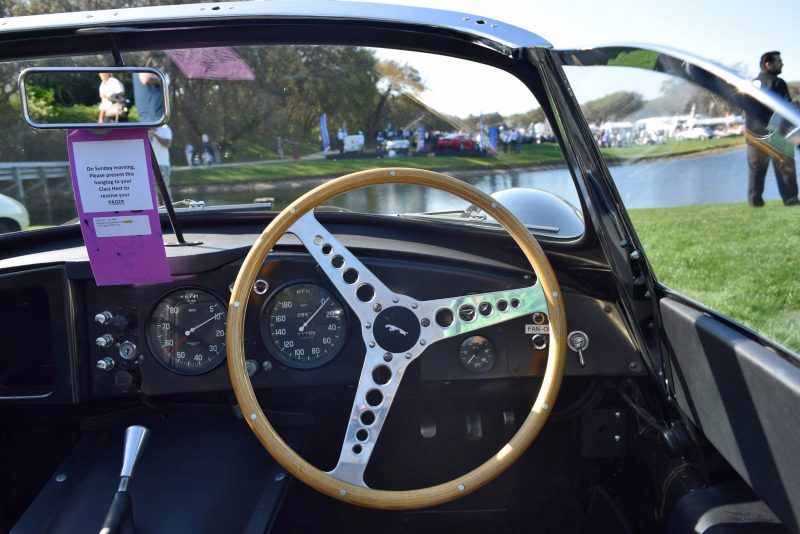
[350, 276]
[374, 397]
[337, 261]
[381, 375]
[367, 417]
[444, 317]
[365, 292]
[327, 249]
[467, 313]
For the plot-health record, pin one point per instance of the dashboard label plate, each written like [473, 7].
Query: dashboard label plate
[537, 328]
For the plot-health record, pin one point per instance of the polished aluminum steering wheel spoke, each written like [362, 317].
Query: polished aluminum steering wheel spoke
[380, 379]
[391, 327]
[450, 317]
[360, 288]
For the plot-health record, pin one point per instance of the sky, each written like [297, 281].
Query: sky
[732, 32]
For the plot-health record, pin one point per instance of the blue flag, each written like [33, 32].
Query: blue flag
[323, 130]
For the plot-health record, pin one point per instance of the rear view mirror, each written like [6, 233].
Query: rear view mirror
[94, 97]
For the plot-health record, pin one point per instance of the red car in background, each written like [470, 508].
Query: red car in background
[456, 142]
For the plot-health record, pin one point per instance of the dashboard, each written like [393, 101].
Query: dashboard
[128, 341]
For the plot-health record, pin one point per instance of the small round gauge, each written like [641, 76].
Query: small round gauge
[476, 354]
[303, 325]
[187, 331]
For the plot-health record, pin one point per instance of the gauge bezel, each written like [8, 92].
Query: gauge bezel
[151, 344]
[482, 370]
[275, 352]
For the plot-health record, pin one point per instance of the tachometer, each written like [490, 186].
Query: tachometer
[187, 331]
[303, 325]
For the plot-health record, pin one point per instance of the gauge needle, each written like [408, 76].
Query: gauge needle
[305, 324]
[180, 342]
[192, 329]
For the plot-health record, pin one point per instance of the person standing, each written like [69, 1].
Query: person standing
[207, 154]
[112, 99]
[161, 139]
[189, 151]
[759, 154]
[148, 97]
[379, 141]
[340, 135]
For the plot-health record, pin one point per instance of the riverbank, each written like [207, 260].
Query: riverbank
[267, 175]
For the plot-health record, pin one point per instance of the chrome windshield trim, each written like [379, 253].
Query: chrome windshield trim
[666, 59]
[482, 28]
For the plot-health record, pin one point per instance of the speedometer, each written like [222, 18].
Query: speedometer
[187, 331]
[304, 325]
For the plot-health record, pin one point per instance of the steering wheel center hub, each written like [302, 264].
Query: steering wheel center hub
[397, 329]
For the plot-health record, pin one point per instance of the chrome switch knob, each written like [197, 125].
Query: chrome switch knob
[103, 317]
[106, 364]
[105, 341]
[578, 341]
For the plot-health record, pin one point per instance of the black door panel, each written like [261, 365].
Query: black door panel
[745, 398]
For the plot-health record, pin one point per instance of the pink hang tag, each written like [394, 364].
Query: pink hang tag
[112, 178]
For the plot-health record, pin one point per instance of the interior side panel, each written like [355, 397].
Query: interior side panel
[744, 398]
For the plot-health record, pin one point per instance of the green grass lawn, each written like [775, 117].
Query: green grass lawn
[531, 155]
[670, 148]
[298, 169]
[740, 261]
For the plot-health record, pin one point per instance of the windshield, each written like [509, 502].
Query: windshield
[267, 123]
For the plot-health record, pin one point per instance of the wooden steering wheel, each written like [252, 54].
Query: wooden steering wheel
[396, 329]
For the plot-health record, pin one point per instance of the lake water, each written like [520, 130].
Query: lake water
[716, 178]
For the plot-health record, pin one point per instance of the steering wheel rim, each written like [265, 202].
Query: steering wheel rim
[354, 493]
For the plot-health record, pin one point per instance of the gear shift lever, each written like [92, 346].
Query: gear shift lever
[119, 518]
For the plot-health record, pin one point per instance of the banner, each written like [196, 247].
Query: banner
[220, 63]
[323, 131]
[493, 138]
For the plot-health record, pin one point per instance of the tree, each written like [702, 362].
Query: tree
[524, 119]
[393, 80]
[612, 107]
[794, 91]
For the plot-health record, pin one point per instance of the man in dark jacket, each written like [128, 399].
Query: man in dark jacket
[758, 151]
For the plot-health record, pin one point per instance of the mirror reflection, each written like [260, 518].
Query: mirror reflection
[116, 97]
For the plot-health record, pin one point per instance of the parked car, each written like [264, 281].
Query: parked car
[13, 215]
[399, 145]
[565, 345]
[456, 142]
[732, 131]
[698, 132]
[354, 143]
